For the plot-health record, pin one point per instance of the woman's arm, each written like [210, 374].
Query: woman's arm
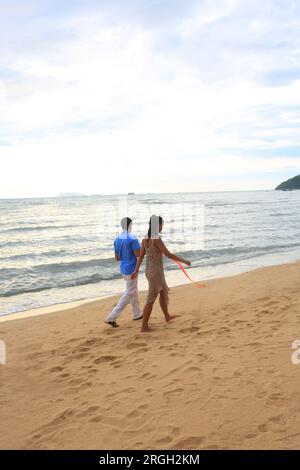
[139, 261]
[162, 247]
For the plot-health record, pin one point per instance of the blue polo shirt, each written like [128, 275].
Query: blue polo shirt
[124, 245]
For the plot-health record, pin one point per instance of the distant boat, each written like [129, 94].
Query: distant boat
[130, 194]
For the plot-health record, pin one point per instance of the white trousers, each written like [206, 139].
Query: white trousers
[130, 296]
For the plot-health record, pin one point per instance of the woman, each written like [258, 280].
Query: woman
[154, 249]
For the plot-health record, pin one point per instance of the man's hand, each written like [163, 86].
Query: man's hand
[134, 274]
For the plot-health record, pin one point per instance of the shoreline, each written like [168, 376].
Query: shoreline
[232, 271]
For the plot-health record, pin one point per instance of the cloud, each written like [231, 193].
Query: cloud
[112, 89]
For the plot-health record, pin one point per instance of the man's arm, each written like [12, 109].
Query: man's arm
[136, 247]
[117, 257]
[139, 261]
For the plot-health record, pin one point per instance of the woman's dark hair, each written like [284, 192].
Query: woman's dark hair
[154, 223]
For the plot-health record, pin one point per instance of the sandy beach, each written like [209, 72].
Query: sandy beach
[219, 377]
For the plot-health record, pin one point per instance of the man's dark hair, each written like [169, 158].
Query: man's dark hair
[125, 223]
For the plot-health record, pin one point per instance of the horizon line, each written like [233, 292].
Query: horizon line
[58, 196]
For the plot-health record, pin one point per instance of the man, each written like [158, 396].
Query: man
[127, 250]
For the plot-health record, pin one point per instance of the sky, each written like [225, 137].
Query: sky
[107, 96]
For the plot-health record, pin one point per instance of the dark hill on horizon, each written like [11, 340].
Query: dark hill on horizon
[290, 184]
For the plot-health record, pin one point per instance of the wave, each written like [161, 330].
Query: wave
[157, 202]
[58, 253]
[240, 250]
[93, 279]
[76, 265]
[38, 228]
[34, 228]
[282, 214]
[223, 204]
[71, 239]
[77, 273]
[194, 255]
[61, 267]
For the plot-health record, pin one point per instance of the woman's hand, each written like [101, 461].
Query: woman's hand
[187, 262]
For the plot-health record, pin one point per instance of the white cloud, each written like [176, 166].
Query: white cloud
[207, 12]
[117, 106]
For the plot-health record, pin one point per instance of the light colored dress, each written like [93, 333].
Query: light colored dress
[155, 272]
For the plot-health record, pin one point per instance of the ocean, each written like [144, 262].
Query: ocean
[60, 249]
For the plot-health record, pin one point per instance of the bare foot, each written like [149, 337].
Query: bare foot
[146, 329]
[171, 317]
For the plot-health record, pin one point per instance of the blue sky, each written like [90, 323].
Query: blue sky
[148, 96]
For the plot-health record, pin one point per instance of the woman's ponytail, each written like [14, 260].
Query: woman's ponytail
[154, 223]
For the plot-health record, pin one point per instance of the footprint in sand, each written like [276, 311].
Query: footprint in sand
[172, 433]
[80, 349]
[279, 419]
[193, 369]
[96, 419]
[202, 356]
[64, 376]
[120, 392]
[103, 359]
[221, 331]
[271, 303]
[136, 345]
[164, 441]
[192, 442]
[276, 399]
[73, 340]
[263, 299]
[59, 419]
[191, 329]
[205, 333]
[90, 411]
[92, 342]
[238, 373]
[56, 369]
[134, 414]
[147, 375]
[174, 392]
[138, 360]
[275, 424]
[254, 344]
[116, 364]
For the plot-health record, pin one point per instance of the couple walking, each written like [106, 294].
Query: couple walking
[131, 254]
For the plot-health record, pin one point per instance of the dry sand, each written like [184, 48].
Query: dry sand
[220, 376]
